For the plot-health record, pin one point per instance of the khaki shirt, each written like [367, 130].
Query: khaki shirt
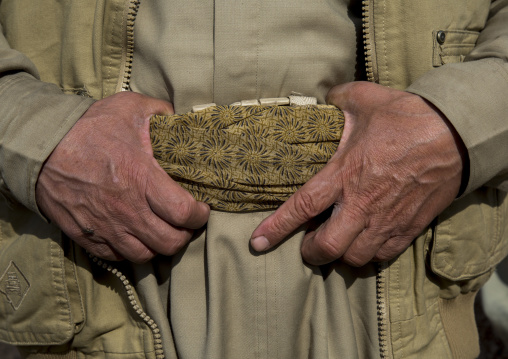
[231, 51]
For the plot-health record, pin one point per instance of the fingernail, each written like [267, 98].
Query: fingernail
[260, 243]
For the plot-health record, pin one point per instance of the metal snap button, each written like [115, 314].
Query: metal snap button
[441, 37]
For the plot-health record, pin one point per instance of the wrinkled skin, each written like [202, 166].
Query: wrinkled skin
[102, 176]
[399, 164]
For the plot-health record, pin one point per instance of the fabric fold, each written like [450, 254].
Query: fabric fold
[246, 158]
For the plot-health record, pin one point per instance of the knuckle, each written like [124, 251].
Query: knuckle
[183, 211]
[383, 255]
[177, 242]
[103, 251]
[305, 206]
[329, 248]
[128, 245]
[141, 256]
[357, 215]
[279, 225]
[145, 221]
[393, 247]
[354, 260]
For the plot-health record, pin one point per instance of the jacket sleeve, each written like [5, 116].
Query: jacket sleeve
[34, 117]
[474, 97]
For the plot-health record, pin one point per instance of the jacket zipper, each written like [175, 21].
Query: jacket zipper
[131, 18]
[381, 268]
[382, 310]
[368, 40]
[159, 352]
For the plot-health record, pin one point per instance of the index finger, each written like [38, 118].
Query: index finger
[317, 195]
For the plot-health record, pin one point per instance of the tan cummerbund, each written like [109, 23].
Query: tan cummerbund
[246, 158]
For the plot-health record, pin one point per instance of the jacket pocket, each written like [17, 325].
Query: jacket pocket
[452, 45]
[34, 297]
[470, 238]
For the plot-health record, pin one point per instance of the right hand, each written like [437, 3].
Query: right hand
[102, 177]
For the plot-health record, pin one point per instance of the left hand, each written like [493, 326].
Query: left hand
[398, 165]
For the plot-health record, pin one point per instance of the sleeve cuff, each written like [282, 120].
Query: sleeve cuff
[472, 96]
[35, 117]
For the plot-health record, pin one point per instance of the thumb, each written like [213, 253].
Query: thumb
[352, 96]
[154, 106]
[342, 96]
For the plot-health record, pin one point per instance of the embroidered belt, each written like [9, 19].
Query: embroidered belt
[247, 156]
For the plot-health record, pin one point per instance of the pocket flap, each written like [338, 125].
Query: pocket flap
[452, 45]
[470, 238]
[34, 300]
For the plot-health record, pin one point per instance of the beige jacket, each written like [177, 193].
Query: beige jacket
[453, 53]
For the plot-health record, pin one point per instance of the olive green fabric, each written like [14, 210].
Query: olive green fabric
[246, 158]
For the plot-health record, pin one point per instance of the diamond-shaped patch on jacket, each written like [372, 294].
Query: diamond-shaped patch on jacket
[14, 285]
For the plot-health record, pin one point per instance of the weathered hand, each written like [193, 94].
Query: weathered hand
[102, 177]
[398, 165]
